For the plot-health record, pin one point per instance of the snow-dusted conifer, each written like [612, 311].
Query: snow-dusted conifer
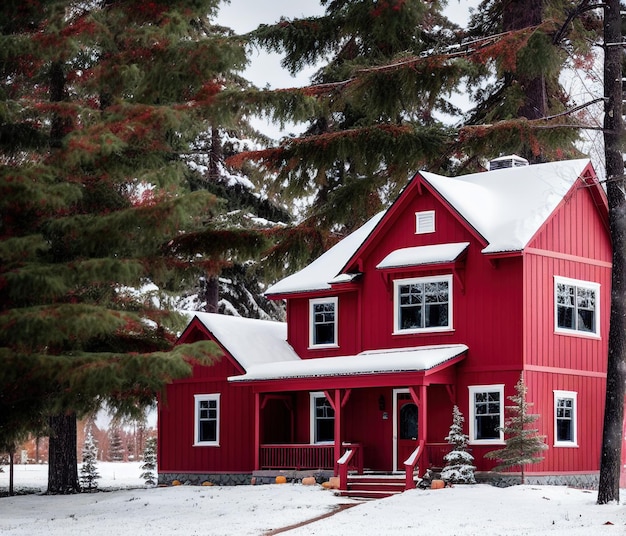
[148, 467]
[89, 472]
[523, 444]
[459, 468]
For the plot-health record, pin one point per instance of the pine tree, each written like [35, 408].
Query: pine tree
[523, 444]
[116, 445]
[100, 104]
[375, 122]
[89, 475]
[148, 467]
[459, 468]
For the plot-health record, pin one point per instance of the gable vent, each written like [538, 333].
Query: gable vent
[425, 222]
[509, 161]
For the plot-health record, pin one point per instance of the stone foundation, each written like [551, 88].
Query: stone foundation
[197, 479]
[504, 480]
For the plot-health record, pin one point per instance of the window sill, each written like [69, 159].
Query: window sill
[441, 331]
[576, 333]
[488, 442]
[206, 444]
[566, 445]
[322, 346]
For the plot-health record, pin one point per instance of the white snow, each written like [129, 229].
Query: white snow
[316, 276]
[507, 206]
[256, 510]
[250, 341]
[438, 253]
[369, 362]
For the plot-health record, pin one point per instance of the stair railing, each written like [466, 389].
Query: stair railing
[342, 464]
[410, 463]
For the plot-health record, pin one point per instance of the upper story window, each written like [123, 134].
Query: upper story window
[486, 414]
[577, 306]
[565, 419]
[323, 322]
[322, 419]
[425, 222]
[207, 420]
[423, 304]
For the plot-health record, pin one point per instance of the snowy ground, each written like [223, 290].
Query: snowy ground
[129, 508]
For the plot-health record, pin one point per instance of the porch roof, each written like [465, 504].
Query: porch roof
[373, 362]
[415, 256]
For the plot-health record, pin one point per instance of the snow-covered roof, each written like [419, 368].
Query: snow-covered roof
[417, 359]
[508, 206]
[251, 342]
[324, 269]
[415, 256]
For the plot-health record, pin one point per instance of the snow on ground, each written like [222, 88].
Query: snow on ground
[128, 507]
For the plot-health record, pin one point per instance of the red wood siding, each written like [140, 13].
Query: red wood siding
[176, 424]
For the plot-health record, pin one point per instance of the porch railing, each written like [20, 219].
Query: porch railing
[436, 452]
[297, 456]
[409, 465]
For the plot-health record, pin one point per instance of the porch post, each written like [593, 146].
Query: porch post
[422, 426]
[257, 430]
[337, 404]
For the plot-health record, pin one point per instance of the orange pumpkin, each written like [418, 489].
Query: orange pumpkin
[334, 482]
[175, 482]
[280, 479]
[309, 481]
[437, 484]
[326, 485]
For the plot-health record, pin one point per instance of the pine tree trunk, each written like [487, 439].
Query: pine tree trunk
[211, 293]
[11, 472]
[62, 458]
[610, 460]
[519, 14]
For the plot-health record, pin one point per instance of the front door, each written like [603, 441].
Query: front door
[406, 428]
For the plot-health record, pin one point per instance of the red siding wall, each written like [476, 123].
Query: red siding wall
[176, 427]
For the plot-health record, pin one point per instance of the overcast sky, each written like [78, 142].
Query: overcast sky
[245, 15]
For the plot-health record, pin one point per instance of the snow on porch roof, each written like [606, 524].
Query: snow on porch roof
[251, 342]
[416, 359]
[508, 206]
[415, 256]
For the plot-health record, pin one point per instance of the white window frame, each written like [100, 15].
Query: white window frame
[577, 283]
[425, 222]
[196, 427]
[396, 304]
[313, 396]
[473, 390]
[566, 395]
[312, 304]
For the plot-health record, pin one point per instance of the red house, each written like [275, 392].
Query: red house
[445, 299]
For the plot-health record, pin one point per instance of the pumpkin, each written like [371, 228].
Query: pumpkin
[334, 482]
[326, 485]
[280, 479]
[207, 483]
[309, 481]
[175, 482]
[437, 484]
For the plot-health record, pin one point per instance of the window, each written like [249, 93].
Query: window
[577, 306]
[423, 304]
[322, 419]
[207, 420]
[486, 414]
[425, 222]
[565, 419]
[323, 317]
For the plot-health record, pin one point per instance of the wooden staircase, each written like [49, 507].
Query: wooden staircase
[373, 486]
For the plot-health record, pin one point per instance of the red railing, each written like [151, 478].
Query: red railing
[436, 452]
[297, 456]
[352, 459]
[409, 465]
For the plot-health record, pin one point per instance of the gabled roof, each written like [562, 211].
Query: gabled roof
[508, 206]
[249, 341]
[505, 207]
[326, 268]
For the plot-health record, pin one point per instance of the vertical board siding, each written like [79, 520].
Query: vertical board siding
[176, 424]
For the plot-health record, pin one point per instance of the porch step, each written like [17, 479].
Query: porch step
[373, 486]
